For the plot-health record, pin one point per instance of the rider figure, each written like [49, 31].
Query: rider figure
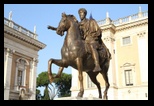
[91, 33]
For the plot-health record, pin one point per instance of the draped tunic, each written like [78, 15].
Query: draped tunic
[91, 32]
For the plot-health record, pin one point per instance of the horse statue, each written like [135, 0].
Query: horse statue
[74, 54]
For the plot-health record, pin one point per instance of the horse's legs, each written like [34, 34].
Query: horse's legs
[60, 63]
[105, 76]
[93, 78]
[80, 69]
[107, 86]
[59, 72]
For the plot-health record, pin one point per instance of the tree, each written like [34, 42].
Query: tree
[43, 81]
[38, 95]
[63, 84]
[46, 94]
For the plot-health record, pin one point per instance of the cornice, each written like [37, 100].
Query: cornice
[125, 26]
[110, 27]
[132, 25]
[23, 37]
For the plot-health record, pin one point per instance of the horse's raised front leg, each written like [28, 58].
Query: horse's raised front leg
[60, 63]
[59, 72]
[80, 69]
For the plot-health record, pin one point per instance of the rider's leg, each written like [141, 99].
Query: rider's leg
[96, 58]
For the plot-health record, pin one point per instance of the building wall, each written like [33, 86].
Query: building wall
[20, 53]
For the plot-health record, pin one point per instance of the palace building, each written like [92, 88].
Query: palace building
[127, 41]
[21, 49]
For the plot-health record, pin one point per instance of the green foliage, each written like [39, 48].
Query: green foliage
[42, 79]
[38, 95]
[37, 91]
[64, 84]
[46, 94]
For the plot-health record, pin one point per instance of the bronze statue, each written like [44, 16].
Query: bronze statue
[75, 54]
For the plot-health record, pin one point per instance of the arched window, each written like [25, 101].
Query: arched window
[20, 78]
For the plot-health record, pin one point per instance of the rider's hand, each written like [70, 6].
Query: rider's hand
[48, 27]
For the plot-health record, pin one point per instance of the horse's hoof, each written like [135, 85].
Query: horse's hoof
[51, 80]
[80, 94]
[56, 76]
[100, 97]
[105, 98]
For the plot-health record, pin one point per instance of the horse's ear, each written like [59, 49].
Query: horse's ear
[63, 15]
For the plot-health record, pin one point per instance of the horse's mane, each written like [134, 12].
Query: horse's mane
[74, 18]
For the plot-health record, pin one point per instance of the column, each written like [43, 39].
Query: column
[7, 72]
[16, 76]
[30, 76]
[33, 77]
[74, 82]
[109, 42]
[31, 82]
[24, 75]
[143, 56]
[5, 62]
[34, 80]
[108, 38]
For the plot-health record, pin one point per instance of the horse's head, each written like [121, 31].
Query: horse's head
[65, 23]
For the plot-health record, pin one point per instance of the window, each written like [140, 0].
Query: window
[128, 77]
[126, 40]
[19, 77]
[90, 83]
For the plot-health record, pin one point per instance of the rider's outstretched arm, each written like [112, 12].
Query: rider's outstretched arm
[51, 27]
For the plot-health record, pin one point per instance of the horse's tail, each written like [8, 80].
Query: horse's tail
[104, 52]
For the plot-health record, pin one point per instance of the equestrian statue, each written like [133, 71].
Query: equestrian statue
[83, 49]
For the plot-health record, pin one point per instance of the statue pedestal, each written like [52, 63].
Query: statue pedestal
[78, 98]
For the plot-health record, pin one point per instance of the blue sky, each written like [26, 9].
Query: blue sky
[42, 15]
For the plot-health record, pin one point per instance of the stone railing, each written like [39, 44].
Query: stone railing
[19, 28]
[130, 18]
[101, 22]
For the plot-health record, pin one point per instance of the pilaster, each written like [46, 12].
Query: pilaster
[143, 54]
[32, 80]
[7, 71]
[74, 80]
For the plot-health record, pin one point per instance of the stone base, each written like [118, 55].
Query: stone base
[78, 98]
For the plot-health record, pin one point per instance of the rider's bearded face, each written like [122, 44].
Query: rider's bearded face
[82, 15]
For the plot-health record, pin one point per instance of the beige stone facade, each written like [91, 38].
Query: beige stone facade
[127, 40]
[21, 49]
